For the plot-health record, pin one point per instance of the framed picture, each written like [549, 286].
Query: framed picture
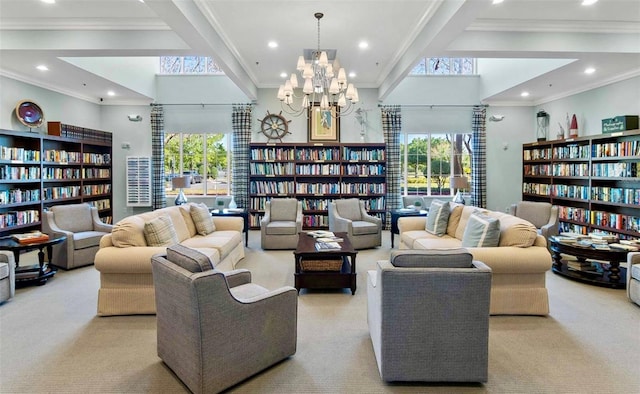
[324, 125]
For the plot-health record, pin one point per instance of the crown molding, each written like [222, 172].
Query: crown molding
[71, 24]
[48, 86]
[554, 26]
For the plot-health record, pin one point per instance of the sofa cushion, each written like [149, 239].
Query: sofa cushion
[515, 231]
[185, 211]
[361, 227]
[189, 259]
[284, 209]
[160, 232]
[438, 218]
[202, 219]
[281, 228]
[129, 232]
[454, 218]
[481, 231]
[74, 217]
[223, 241]
[433, 258]
[87, 239]
[433, 242]
[349, 208]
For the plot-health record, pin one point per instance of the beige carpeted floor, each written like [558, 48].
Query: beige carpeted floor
[51, 341]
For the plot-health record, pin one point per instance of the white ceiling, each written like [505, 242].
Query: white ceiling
[605, 36]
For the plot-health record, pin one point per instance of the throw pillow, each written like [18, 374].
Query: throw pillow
[438, 218]
[481, 231]
[160, 232]
[202, 219]
[189, 259]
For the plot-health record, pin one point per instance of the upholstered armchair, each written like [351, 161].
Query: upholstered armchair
[349, 216]
[541, 214]
[281, 224]
[83, 228]
[428, 316]
[633, 277]
[7, 275]
[216, 329]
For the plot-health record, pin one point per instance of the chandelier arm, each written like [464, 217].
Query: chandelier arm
[287, 108]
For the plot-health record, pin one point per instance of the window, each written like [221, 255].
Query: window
[430, 159]
[188, 65]
[205, 158]
[445, 66]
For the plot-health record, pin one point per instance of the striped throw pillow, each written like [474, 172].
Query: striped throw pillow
[438, 218]
[160, 232]
[481, 231]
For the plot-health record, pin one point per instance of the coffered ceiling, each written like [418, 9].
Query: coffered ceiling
[90, 45]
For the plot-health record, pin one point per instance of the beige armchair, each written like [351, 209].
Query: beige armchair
[348, 215]
[83, 228]
[7, 275]
[541, 214]
[281, 224]
[428, 316]
[633, 277]
[216, 329]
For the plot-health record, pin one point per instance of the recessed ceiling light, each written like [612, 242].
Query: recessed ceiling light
[589, 70]
[589, 2]
[283, 75]
[363, 45]
[272, 44]
[42, 67]
[497, 1]
[352, 74]
[111, 93]
[524, 94]
[48, 1]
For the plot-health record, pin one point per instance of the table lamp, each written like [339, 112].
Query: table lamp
[459, 182]
[180, 182]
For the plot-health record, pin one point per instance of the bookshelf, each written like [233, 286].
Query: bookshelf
[594, 181]
[316, 173]
[38, 171]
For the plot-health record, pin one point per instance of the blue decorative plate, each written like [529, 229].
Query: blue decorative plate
[29, 113]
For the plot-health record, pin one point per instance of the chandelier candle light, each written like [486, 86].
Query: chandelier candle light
[321, 84]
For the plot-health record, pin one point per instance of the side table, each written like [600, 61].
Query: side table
[38, 273]
[403, 212]
[242, 213]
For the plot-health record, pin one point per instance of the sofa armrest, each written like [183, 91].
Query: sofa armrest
[341, 224]
[134, 260]
[238, 277]
[224, 223]
[632, 259]
[106, 241]
[411, 223]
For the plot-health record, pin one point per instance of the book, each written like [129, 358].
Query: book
[327, 246]
[32, 237]
[321, 234]
[330, 239]
[621, 246]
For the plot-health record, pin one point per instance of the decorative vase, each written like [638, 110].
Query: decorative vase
[573, 129]
[232, 203]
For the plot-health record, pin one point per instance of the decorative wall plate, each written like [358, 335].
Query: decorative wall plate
[29, 113]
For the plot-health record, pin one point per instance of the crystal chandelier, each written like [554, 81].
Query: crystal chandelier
[321, 85]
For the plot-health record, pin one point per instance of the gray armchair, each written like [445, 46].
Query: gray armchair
[633, 277]
[348, 215]
[83, 228]
[428, 315]
[541, 214]
[281, 224]
[216, 329]
[7, 275]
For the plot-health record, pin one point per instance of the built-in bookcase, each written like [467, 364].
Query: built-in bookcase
[594, 181]
[38, 171]
[316, 174]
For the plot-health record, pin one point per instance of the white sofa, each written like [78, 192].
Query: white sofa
[124, 259]
[519, 264]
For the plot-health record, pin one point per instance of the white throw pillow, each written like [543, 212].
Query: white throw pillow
[438, 218]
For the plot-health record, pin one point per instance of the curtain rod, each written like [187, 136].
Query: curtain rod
[202, 104]
[436, 105]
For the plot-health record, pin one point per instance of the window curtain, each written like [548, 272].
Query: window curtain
[479, 158]
[391, 128]
[159, 200]
[241, 124]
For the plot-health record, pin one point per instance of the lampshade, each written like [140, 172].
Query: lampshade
[459, 182]
[180, 182]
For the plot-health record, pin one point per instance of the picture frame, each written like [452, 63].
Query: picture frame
[323, 126]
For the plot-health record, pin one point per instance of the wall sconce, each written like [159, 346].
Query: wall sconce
[496, 118]
[135, 118]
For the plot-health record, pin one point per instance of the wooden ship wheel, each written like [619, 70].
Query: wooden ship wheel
[274, 126]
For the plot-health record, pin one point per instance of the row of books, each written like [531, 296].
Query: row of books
[616, 195]
[313, 154]
[17, 218]
[271, 187]
[91, 190]
[571, 152]
[363, 154]
[269, 153]
[616, 170]
[96, 158]
[88, 173]
[61, 173]
[275, 169]
[537, 154]
[364, 169]
[615, 149]
[363, 188]
[16, 196]
[8, 172]
[62, 156]
[83, 133]
[15, 153]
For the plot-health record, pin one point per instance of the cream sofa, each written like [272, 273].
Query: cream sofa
[519, 263]
[124, 259]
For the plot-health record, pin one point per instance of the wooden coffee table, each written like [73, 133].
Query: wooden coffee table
[345, 278]
[38, 273]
